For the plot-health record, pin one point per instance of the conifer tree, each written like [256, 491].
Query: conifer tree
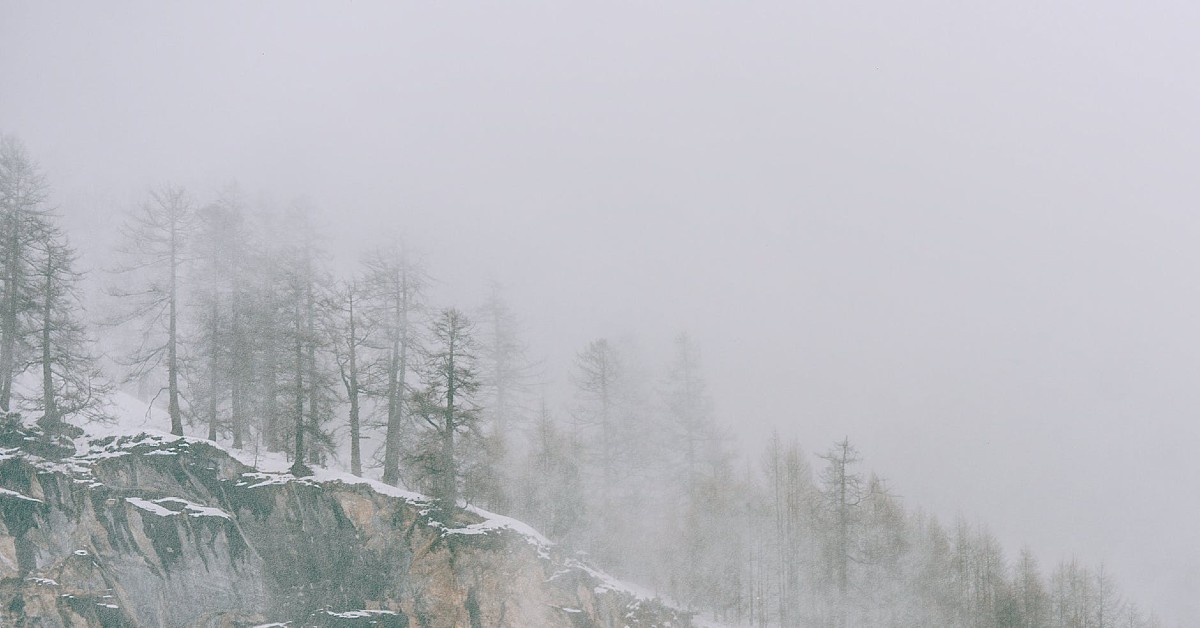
[23, 223]
[156, 240]
[351, 333]
[394, 284]
[308, 382]
[844, 493]
[688, 409]
[596, 377]
[446, 403]
[220, 346]
[71, 381]
[551, 493]
[506, 376]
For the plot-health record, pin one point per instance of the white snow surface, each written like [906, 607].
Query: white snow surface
[137, 423]
[186, 508]
[7, 493]
[358, 614]
[150, 507]
[493, 521]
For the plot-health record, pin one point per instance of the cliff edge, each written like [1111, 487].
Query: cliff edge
[153, 530]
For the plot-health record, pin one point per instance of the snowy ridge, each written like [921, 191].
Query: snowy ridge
[609, 583]
[493, 521]
[132, 432]
[132, 429]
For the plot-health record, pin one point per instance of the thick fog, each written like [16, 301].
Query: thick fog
[964, 236]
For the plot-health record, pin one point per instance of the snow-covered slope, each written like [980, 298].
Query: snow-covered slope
[138, 527]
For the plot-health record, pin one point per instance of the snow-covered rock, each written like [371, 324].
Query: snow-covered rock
[139, 528]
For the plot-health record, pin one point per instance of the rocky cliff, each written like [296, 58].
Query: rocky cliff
[149, 530]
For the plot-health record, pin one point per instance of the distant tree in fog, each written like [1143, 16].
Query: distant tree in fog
[156, 239]
[307, 380]
[350, 334]
[689, 415]
[394, 286]
[221, 344]
[550, 491]
[791, 494]
[1108, 599]
[268, 316]
[506, 378]
[506, 373]
[844, 494]
[1029, 591]
[597, 377]
[978, 574]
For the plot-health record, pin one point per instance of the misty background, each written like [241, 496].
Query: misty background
[963, 236]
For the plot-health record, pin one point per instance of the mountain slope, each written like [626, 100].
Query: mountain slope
[147, 530]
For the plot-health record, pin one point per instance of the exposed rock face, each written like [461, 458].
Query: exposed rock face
[153, 531]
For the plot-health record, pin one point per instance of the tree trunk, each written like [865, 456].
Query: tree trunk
[313, 394]
[391, 452]
[298, 461]
[268, 367]
[606, 461]
[172, 337]
[449, 463]
[843, 539]
[213, 367]
[449, 472]
[50, 408]
[12, 298]
[352, 393]
[397, 373]
[271, 365]
[239, 372]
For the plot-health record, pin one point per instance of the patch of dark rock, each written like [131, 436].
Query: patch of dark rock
[52, 444]
[300, 470]
[163, 533]
[472, 606]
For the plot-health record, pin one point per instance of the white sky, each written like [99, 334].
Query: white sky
[963, 234]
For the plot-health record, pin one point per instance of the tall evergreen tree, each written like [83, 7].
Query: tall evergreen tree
[446, 404]
[351, 332]
[506, 373]
[220, 344]
[1030, 592]
[395, 284]
[597, 381]
[506, 377]
[71, 381]
[23, 223]
[550, 491]
[308, 381]
[844, 493]
[156, 240]
[688, 409]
